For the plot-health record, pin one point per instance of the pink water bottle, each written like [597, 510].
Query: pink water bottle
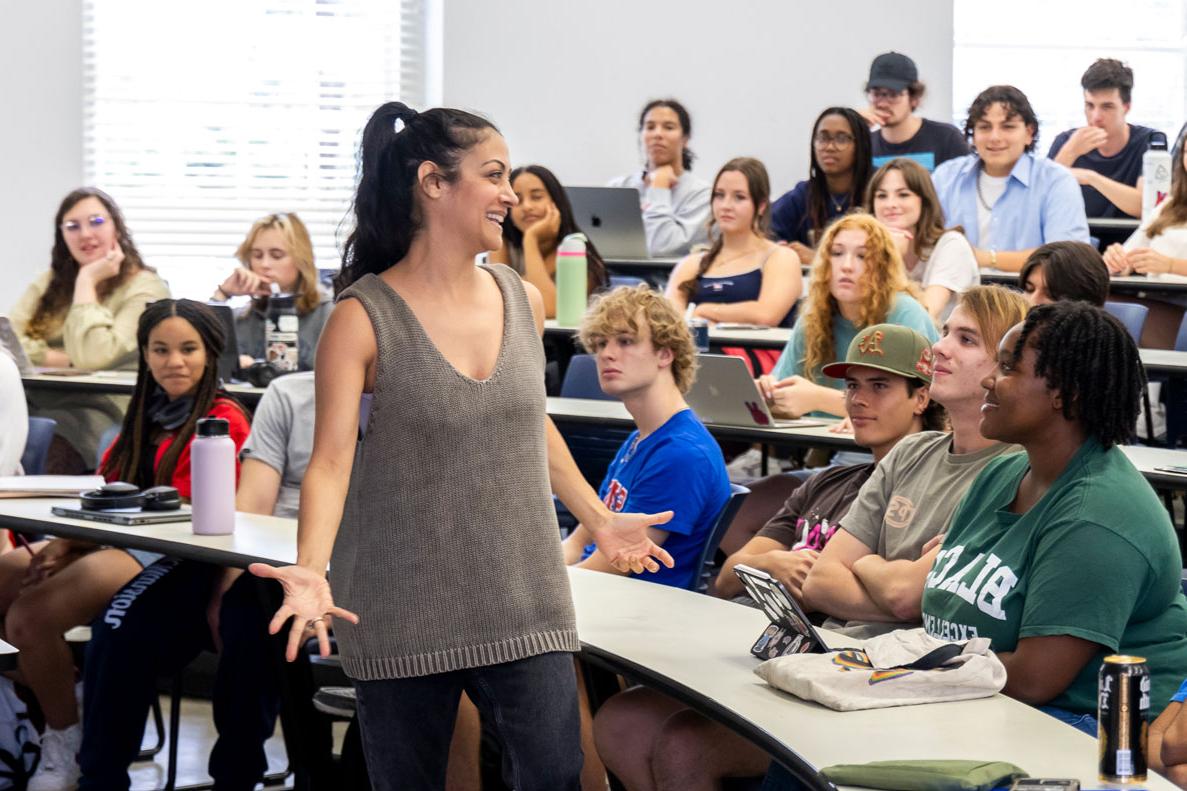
[212, 478]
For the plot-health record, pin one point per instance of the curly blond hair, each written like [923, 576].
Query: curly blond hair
[620, 310]
[883, 278]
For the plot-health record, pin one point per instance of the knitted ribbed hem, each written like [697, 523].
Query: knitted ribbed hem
[385, 667]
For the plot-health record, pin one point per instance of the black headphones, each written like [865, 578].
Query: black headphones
[124, 495]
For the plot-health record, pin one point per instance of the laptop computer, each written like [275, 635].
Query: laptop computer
[725, 394]
[10, 341]
[790, 631]
[228, 361]
[124, 516]
[612, 219]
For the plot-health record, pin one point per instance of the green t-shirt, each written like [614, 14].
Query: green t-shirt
[1095, 558]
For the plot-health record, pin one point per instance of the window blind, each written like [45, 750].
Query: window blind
[200, 118]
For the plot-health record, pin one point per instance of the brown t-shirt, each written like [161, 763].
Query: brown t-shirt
[812, 514]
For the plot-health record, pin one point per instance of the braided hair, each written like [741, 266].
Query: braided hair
[1089, 357]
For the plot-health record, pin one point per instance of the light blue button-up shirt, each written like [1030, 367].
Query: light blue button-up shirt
[1042, 203]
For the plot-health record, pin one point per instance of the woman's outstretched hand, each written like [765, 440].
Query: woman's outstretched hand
[307, 600]
[625, 543]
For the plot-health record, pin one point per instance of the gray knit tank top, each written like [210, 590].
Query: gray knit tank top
[449, 549]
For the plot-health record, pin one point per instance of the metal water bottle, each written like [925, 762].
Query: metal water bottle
[1156, 175]
[212, 478]
[572, 280]
[281, 341]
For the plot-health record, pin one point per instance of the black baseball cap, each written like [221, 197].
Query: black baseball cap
[892, 70]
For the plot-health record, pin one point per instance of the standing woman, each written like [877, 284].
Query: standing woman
[675, 203]
[534, 229]
[743, 276]
[857, 280]
[939, 259]
[457, 586]
[841, 165]
[83, 313]
[277, 251]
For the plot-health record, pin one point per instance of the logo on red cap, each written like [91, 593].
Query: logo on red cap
[926, 364]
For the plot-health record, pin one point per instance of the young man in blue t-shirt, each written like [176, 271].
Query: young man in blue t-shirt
[646, 358]
[1105, 155]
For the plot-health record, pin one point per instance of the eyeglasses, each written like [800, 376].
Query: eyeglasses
[884, 94]
[839, 140]
[95, 221]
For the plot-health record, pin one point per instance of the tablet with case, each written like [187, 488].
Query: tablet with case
[790, 631]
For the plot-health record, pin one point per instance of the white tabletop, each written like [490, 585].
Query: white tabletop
[1127, 284]
[613, 413]
[263, 539]
[119, 383]
[697, 647]
[756, 337]
[694, 646]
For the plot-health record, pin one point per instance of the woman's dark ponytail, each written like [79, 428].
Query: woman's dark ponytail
[396, 140]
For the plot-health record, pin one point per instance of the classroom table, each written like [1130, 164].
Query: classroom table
[1138, 285]
[120, 383]
[262, 539]
[613, 413]
[694, 647]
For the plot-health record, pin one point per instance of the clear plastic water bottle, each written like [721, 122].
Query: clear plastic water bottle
[282, 346]
[572, 280]
[212, 478]
[1156, 175]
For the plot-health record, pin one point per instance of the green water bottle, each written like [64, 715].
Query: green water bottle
[571, 280]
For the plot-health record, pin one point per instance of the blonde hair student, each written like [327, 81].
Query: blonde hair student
[277, 251]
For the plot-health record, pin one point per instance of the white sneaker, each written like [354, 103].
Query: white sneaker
[58, 768]
[746, 466]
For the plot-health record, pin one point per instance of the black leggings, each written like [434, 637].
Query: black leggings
[156, 625]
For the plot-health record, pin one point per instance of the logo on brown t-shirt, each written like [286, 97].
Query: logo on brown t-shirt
[900, 511]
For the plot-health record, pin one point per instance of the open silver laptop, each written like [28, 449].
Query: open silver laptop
[725, 394]
[612, 219]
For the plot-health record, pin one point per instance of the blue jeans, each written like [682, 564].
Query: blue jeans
[531, 704]
[1081, 722]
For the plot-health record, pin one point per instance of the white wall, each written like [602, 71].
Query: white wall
[565, 80]
[41, 137]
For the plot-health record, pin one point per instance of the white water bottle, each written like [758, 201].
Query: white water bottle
[1156, 175]
[212, 478]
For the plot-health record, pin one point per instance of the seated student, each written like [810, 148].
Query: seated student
[840, 167]
[887, 380]
[939, 259]
[14, 416]
[894, 91]
[1158, 248]
[650, 740]
[1008, 200]
[83, 313]
[675, 203]
[645, 357]
[1105, 154]
[857, 280]
[1065, 270]
[1063, 555]
[277, 251]
[534, 229]
[65, 583]
[868, 574]
[1166, 750]
[743, 276]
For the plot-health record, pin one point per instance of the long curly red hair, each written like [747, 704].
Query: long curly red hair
[883, 278]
